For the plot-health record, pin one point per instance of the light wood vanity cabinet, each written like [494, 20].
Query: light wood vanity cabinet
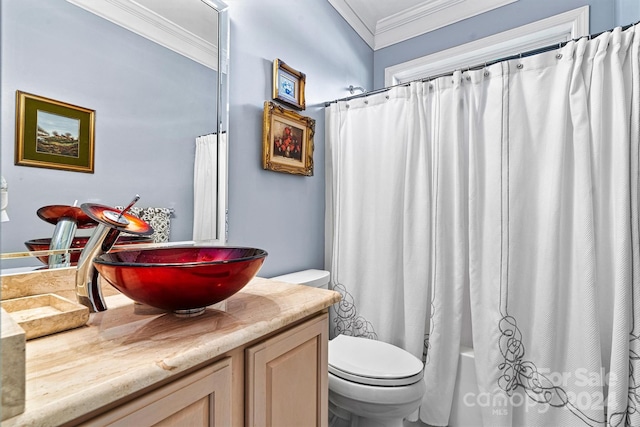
[285, 384]
[262, 361]
[199, 399]
[287, 379]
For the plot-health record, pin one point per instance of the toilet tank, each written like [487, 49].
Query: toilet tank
[314, 278]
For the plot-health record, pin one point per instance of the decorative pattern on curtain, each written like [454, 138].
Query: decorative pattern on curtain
[520, 182]
[346, 318]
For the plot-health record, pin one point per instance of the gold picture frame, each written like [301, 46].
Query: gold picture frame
[288, 85]
[287, 143]
[53, 134]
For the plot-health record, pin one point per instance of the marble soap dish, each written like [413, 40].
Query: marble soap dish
[45, 314]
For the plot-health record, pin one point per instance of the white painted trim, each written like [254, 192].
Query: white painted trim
[414, 21]
[429, 16]
[148, 24]
[563, 27]
[352, 18]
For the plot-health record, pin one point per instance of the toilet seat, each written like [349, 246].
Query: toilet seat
[371, 362]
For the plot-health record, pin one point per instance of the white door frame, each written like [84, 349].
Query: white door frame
[556, 29]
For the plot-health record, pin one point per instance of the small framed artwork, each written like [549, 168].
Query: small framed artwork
[287, 144]
[53, 134]
[288, 85]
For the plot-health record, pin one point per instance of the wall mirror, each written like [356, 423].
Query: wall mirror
[156, 76]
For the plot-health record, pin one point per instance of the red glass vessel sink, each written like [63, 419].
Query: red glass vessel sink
[77, 244]
[184, 280]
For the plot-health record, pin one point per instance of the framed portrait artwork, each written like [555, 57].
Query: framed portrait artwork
[287, 144]
[53, 134]
[288, 85]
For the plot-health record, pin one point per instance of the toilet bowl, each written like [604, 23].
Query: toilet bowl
[371, 383]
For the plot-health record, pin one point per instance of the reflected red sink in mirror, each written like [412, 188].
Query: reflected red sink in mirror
[78, 243]
[180, 279]
[54, 213]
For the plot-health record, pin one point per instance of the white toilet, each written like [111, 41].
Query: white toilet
[371, 383]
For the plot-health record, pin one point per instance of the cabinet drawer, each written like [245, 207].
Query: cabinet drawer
[199, 399]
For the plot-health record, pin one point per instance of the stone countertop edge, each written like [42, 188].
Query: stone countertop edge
[92, 381]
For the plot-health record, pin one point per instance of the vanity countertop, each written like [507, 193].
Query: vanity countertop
[131, 347]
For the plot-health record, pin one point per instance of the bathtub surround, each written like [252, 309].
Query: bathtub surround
[519, 181]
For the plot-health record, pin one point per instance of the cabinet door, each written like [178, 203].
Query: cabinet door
[286, 377]
[198, 399]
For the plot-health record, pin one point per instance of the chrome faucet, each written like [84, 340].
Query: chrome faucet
[62, 238]
[110, 224]
[70, 220]
[67, 220]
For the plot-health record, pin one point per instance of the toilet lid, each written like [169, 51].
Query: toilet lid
[371, 362]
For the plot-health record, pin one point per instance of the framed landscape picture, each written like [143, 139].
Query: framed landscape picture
[53, 134]
[287, 143]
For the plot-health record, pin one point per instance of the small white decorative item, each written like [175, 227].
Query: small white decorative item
[4, 200]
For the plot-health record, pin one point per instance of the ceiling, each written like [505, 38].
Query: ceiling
[382, 23]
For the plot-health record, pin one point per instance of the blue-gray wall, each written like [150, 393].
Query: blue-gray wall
[150, 105]
[283, 213]
[604, 14]
[627, 11]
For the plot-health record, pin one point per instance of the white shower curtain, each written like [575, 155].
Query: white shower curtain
[521, 182]
[205, 179]
[396, 231]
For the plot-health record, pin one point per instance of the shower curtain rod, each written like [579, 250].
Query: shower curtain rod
[479, 66]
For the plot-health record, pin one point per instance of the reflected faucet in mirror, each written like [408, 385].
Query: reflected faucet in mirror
[67, 220]
[110, 223]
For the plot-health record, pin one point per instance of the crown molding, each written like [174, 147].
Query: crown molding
[148, 24]
[414, 21]
[558, 28]
[366, 32]
[429, 16]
